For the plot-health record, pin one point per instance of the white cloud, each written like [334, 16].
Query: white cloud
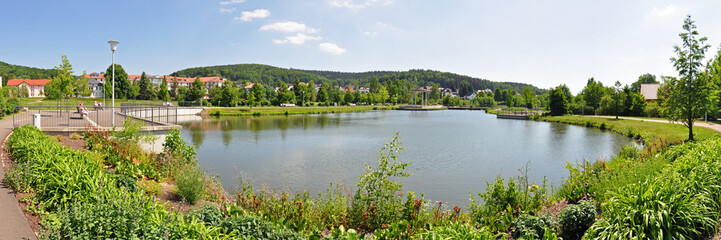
[231, 2]
[665, 11]
[298, 39]
[356, 4]
[288, 26]
[248, 16]
[227, 10]
[331, 48]
[367, 33]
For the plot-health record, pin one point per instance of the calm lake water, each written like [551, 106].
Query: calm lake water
[452, 152]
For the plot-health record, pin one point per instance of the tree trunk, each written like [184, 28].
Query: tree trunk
[690, 130]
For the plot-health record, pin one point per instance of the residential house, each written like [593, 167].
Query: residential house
[650, 91]
[97, 80]
[36, 87]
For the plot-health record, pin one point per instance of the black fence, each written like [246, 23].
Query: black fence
[99, 117]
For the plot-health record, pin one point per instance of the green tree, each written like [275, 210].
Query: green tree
[498, 95]
[689, 97]
[465, 89]
[257, 93]
[147, 90]
[122, 84]
[323, 95]
[134, 91]
[713, 71]
[183, 93]
[163, 93]
[284, 95]
[617, 96]
[347, 96]
[557, 102]
[634, 104]
[643, 79]
[435, 93]
[62, 84]
[528, 96]
[197, 90]
[593, 92]
[374, 86]
[229, 94]
[80, 86]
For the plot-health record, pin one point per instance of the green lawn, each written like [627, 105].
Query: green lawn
[247, 111]
[647, 130]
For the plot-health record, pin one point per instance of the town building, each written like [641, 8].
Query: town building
[36, 87]
[96, 81]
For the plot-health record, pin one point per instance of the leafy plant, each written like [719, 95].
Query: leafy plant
[376, 201]
[575, 219]
[190, 182]
[131, 131]
[457, 230]
[150, 187]
[529, 226]
[681, 202]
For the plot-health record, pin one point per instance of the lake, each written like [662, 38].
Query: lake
[452, 152]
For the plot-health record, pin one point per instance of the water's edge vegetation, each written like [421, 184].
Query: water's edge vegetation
[115, 190]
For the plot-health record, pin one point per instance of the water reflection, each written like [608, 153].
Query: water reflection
[451, 152]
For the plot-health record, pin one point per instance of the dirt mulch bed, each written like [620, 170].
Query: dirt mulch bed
[76, 144]
[554, 209]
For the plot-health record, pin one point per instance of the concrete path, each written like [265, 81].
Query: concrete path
[13, 224]
[712, 126]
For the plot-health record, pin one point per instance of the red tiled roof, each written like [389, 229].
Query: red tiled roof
[31, 82]
[168, 78]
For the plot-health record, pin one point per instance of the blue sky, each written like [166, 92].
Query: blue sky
[544, 43]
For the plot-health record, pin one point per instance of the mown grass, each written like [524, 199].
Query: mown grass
[257, 111]
[649, 132]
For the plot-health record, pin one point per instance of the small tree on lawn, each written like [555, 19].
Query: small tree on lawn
[689, 96]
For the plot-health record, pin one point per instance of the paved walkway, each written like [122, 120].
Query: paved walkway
[13, 224]
[712, 126]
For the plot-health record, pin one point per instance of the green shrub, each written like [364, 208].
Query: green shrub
[190, 182]
[113, 214]
[131, 131]
[529, 226]
[177, 148]
[125, 181]
[457, 230]
[57, 174]
[208, 214]
[503, 202]
[376, 201]
[681, 202]
[574, 220]
[150, 187]
[580, 180]
[251, 227]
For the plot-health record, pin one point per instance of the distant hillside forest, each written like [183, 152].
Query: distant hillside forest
[269, 75]
[10, 71]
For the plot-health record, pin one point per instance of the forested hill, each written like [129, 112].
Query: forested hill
[10, 71]
[251, 73]
[271, 75]
[421, 77]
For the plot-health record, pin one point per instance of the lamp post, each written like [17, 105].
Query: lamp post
[113, 47]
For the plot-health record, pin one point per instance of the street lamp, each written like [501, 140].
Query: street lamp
[113, 47]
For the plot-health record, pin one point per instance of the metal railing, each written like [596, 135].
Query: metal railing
[99, 117]
[151, 114]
